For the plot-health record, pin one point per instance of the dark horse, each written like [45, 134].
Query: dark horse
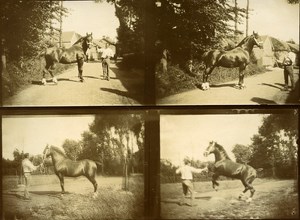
[75, 54]
[224, 166]
[237, 57]
[63, 166]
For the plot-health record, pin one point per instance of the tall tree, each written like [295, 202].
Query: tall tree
[275, 145]
[242, 153]
[24, 25]
[72, 149]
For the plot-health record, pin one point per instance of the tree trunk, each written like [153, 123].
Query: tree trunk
[60, 25]
[247, 18]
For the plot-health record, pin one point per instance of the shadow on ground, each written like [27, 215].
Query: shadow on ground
[133, 82]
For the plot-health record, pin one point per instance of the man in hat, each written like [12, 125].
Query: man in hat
[28, 167]
[186, 172]
[288, 71]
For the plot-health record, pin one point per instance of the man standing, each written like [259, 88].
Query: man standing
[107, 53]
[186, 172]
[28, 167]
[288, 71]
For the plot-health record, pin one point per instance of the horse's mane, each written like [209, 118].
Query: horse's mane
[221, 148]
[245, 40]
[79, 40]
[59, 151]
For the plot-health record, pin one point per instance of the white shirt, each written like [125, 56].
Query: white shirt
[28, 166]
[187, 172]
[106, 53]
[291, 56]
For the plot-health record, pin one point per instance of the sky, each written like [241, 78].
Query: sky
[32, 133]
[275, 18]
[189, 135]
[88, 16]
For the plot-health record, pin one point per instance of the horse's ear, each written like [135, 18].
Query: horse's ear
[87, 34]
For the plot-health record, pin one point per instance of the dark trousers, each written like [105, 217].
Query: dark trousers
[289, 72]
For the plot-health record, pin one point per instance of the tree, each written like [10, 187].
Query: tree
[275, 145]
[25, 25]
[189, 27]
[242, 153]
[72, 149]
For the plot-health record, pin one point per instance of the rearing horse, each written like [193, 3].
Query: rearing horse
[224, 166]
[63, 166]
[237, 57]
[75, 54]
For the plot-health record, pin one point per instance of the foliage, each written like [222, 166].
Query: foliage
[72, 149]
[27, 24]
[177, 80]
[274, 147]
[242, 153]
[189, 27]
[111, 139]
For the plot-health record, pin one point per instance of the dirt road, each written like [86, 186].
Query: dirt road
[272, 199]
[124, 88]
[264, 88]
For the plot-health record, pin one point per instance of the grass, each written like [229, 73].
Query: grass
[18, 75]
[177, 80]
[111, 203]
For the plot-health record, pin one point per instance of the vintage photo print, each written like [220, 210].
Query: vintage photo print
[72, 53]
[229, 166]
[227, 52]
[73, 166]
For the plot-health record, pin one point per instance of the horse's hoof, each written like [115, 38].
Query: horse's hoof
[44, 82]
[95, 195]
[249, 200]
[54, 80]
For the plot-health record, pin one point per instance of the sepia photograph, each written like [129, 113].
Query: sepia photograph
[72, 53]
[229, 166]
[227, 52]
[73, 166]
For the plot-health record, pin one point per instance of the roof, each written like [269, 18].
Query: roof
[294, 47]
[67, 36]
[279, 45]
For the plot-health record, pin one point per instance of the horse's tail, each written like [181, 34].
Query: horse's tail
[99, 164]
[259, 169]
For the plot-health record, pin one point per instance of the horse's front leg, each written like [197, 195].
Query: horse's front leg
[215, 184]
[61, 179]
[241, 84]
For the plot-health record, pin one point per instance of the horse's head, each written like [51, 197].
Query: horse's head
[254, 37]
[46, 152]
[210, 149]
[88, 39]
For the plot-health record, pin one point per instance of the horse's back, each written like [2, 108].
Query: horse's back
[211, 57]
[234, 58]
[232, 169]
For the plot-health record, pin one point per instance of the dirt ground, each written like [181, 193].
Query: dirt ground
[47, 202]
[272, 199]
[262, 89]
[124, 88]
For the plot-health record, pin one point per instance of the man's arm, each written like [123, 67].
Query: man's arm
[195, 170]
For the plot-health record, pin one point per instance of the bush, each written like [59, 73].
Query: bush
[177, 80]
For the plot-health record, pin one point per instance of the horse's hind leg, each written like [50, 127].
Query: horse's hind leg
[80, 62]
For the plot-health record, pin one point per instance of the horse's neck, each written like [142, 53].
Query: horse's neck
[248, 46]
[220, 155]
[56, 157]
